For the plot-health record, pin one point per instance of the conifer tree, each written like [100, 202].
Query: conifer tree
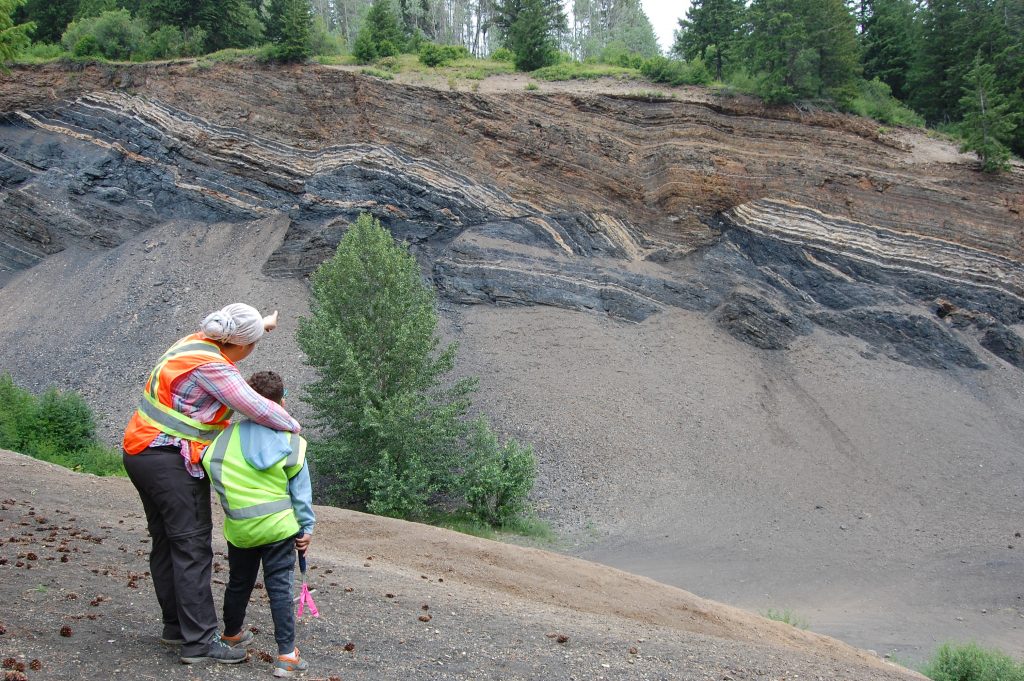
[380, 34]
[50, 17]
[395, 438]
[291, 23]
[890, 41]
[531, 29]
[804, 48]
[710, 23]
[935, 87]
[13, 37]
[988, 123]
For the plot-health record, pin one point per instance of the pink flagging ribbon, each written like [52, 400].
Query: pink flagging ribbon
[306, 599]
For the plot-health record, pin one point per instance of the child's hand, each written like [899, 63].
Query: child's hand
[270, 321]
[302, 542]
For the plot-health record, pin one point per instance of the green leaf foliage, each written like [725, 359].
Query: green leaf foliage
[890, 39]
[988, 123]
[58, 427]
[113, 35]
[531, 29]
[441, 55]
[675, 72]
[804, 49]
[498, 477]
[971, 662]
[396, 440]
[292, 26]
[380, 36]
[711, 24]
[13, 37]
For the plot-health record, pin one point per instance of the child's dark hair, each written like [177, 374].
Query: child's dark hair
[268, 384]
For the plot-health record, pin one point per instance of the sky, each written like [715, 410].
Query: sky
[664, 16]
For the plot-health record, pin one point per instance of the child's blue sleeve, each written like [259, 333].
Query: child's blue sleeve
[301, 491]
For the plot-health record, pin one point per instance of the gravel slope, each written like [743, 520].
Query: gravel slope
[877, 501]
[495, 611]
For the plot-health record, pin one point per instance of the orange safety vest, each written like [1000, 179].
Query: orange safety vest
[155, 413]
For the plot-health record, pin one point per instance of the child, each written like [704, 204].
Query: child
[263, 483]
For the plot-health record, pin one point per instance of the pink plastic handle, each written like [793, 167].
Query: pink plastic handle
[306, 599]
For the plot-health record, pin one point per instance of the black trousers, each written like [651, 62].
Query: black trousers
[278, 572]
[181, 560]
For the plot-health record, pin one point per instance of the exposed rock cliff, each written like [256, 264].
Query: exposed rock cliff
[772, 220]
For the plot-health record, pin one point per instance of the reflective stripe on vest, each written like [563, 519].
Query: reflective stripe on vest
[217, 454]
[174, 422]
[298, 449]
[207, 347]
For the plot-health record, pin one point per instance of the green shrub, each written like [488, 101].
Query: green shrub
[874, 100]
[116, 34]
[377, 73]
[497, 479]
[739, 81]
[322, 41]
[65, 420]
[56, 427]
[170, 42]
[503, 54]
[17, 416]
[432, 54]
[971, 662]
[676, 72]
[578, 71]
[618, 54]
[87, 46]
[41, 52]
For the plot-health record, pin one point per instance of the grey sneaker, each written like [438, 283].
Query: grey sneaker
[218, 651]
[289, 665]
[242, 638]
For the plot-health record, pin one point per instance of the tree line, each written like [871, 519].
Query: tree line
[951, 61]
[957, 64]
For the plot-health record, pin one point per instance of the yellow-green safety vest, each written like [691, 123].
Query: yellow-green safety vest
[257, 506]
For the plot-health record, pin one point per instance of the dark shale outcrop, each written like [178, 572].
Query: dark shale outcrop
[773, 223]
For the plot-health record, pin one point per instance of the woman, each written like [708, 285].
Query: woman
[188, 399]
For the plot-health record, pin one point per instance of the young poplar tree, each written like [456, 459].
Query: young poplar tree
[395, 434]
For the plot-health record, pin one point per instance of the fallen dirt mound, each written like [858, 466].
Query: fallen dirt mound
[397, 600]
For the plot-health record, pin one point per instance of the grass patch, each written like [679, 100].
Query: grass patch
[463, 522]
[40, 53]
[234, 54]
[336, 59]
[971, 662]
[56, 427]
[579, 71]
[786, 617]
[377, 73]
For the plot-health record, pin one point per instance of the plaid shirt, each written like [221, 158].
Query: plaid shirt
[202, 392]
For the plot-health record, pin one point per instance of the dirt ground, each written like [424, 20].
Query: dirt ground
[79, 604]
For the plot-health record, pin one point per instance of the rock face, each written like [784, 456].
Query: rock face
[772, 222]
